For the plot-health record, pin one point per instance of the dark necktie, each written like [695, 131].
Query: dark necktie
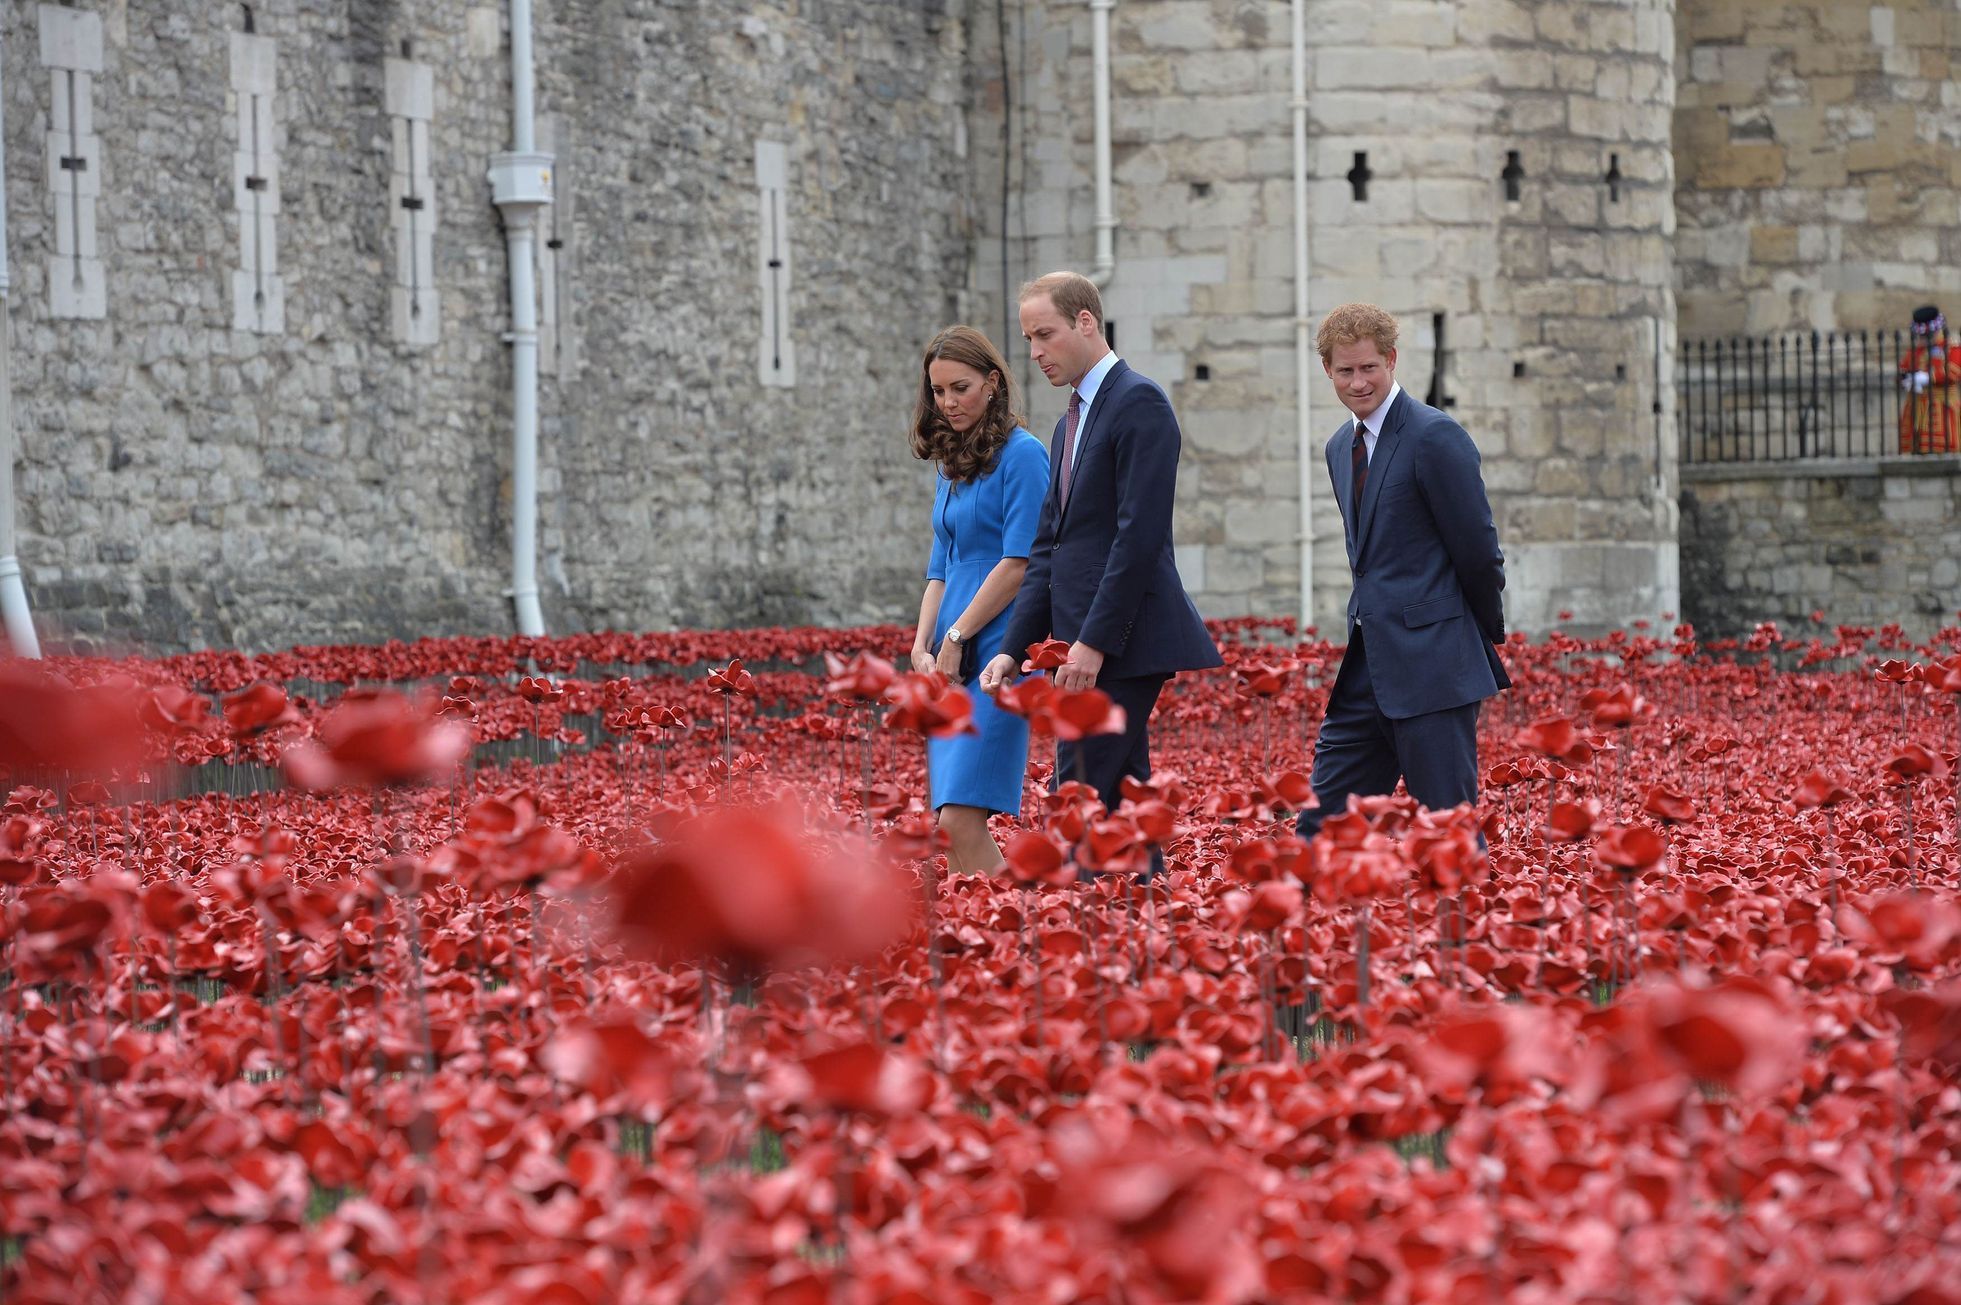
[1360, 476]
[1070, 422]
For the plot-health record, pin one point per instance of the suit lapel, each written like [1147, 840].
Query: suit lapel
[1386, 445]
[1106, 394]
[1341, 471]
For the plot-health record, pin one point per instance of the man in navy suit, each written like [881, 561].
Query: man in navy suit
[1101, 576]
[1426, 611]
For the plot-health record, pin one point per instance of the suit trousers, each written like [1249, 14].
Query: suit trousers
[1363, 752]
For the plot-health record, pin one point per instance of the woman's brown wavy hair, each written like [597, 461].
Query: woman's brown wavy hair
[972, 455]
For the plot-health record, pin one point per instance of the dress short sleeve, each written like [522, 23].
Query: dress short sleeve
[1024, 483]
[936, 564]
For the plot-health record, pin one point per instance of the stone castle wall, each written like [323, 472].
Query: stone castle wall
[189, 477]
[1818, 149]
[1550, 302]
[1864, 540]
[260, 291]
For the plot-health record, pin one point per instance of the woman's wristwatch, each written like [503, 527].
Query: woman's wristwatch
[953, 636]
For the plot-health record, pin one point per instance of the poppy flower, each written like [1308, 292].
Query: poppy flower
[757, 889]
[1569, 822]
[1930, 1023]
[1034, 858]
[20, 847]
[259, 708]
[1045, 656]
[1557, 738]
[1911, 762]
[1916, 928]
[864, 677]
[613, 1056]
[733, 679]
[1819, 789]
[48, 724]
[1033, 698]
[1894, 671]
[1671, 806]
[1264, 679]
[1615, 708]
[1945, 676]
[173, 709]
[537, 690]
[863, 1078]
[1076, 714]
[373, 740]
[1736, 1033]
[1629, 848]
[927, 703]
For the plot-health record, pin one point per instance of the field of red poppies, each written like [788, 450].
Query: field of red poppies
[622, 968]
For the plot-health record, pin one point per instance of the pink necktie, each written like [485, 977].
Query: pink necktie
[1069, 424]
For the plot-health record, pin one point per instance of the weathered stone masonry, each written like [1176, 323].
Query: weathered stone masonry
[1566, 182]
[1866, 541]
[184, 482]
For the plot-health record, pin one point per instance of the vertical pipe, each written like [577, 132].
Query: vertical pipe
[524, 435]
[520, 234]
[1303, 349]
[1106, 212]
[522, 140]
[13, 594]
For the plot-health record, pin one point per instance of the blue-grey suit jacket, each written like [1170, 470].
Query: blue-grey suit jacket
[1102, 569]
[1429, 576]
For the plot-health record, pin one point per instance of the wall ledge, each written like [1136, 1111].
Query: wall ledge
[1903, 464]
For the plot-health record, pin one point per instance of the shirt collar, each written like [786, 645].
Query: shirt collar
[1093, 380]
[1373, 423]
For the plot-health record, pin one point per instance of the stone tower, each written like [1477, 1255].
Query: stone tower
[1497, 172]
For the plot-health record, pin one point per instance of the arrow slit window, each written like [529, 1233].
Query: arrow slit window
[776, 358]
[411, 104]
[258, 294]
[71, 51]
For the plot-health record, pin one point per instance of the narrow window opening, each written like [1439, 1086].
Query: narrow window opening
[1513, 175]
[1358, 176]
[1613, 178]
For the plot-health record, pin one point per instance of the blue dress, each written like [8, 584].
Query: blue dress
[975, 525]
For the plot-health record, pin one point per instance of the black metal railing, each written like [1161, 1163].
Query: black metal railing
[1819, 394]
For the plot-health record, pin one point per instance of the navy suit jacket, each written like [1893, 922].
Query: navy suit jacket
[1429, 577]
[1102, 571]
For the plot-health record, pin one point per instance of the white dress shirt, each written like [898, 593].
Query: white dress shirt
[1086, 389]
[1372, 424]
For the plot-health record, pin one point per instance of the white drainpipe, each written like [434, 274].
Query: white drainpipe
[1106, 213]
[1303, 346]
[13, 594]
[521, 187]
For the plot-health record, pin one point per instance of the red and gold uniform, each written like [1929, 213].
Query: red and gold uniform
[1930, 377]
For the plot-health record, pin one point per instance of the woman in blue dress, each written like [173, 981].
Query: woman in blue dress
[993, 477]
